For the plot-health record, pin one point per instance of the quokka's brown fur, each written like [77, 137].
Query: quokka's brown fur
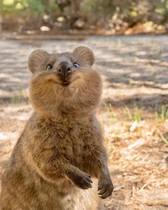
[60, 154]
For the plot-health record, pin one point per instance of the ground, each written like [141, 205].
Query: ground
[133, 112]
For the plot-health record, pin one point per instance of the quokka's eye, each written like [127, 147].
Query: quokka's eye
[49, 67]
[76, 65]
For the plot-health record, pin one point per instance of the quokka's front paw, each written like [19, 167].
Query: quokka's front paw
[82, 180]
[105, 187]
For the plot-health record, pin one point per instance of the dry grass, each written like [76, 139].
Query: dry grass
[138, 161]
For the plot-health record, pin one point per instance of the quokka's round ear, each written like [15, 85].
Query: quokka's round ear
[84, 54]
[37, 59]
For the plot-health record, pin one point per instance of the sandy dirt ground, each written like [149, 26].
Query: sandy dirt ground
[133, 112]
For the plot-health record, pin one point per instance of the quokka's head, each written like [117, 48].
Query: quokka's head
[64, 83]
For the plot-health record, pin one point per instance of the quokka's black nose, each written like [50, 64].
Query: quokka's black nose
[64, 69]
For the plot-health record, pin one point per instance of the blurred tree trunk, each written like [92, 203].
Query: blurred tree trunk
[63, 4]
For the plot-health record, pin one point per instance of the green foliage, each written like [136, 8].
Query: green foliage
[134, 13]
[52, 8]
[20, 96]
[112, 115]
[35, 6]
[97, 7]
[26, 7]
[87, 6]
[128, 113]
[136, 116]
[163, 114]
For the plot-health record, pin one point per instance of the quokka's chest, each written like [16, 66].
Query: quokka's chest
[76, 144]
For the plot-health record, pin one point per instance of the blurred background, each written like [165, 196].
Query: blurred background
[84, 16]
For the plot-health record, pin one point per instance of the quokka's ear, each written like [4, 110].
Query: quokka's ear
[84, 54]
[37, 60]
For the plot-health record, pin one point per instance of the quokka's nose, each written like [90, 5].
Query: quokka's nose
[64, 69]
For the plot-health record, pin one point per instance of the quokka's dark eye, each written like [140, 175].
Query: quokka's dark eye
[76, 65]
[49, 67]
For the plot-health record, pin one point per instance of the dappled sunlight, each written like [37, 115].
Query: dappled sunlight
[133, 113]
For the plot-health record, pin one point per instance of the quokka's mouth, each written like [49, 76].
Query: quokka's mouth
[65, 83]
[68, 81]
